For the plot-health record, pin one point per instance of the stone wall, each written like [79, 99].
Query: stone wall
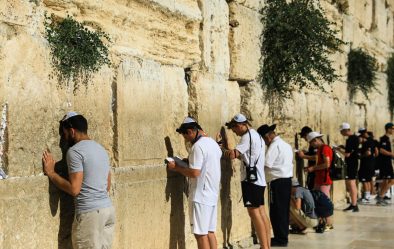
[169, 58]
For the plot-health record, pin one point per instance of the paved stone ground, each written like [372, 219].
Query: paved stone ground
[371, 228]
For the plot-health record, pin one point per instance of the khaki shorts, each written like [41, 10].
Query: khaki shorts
[94, 230]
[299, 218]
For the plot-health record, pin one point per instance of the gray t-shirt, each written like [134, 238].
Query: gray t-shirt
[307, 202]
[92, 159]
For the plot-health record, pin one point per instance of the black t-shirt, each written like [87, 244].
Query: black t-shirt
[384, 143]
[352, 147]
[311, 152]
[368, 145]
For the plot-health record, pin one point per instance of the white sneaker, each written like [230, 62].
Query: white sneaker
[365, 201]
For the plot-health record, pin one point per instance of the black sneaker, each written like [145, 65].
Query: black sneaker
[355, 209]
[386, 198]
[349, 208]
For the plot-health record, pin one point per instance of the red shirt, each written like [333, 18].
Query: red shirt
[322, 176]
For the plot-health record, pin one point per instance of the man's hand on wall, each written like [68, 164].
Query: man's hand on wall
[48, 163]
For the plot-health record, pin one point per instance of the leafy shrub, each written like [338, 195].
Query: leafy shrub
[296, 41]
[361, 72]
[76, 51]
[390, 83]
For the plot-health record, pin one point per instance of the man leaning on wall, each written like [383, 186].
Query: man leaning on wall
[89, 183]
[251, 150]
[204, 172]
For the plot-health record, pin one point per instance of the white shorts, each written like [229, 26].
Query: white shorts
[203, 218]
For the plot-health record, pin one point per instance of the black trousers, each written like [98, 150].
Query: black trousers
[280, 191]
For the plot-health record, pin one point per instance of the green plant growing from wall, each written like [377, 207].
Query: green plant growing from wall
[361, 72]
[296, 41]
[77, 52]
[390, 83]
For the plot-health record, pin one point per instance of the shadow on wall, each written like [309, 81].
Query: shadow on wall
[174, 191]
[59, 200]
[225, 196]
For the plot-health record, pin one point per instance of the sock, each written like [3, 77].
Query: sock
[367, 195]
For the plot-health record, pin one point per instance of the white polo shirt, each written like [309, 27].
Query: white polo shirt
[205, 155]
[278, 160]
[258, 155]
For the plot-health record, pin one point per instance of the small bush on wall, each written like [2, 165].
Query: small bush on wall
[390, 83]
[77, 52]
[361, 72]
[296, 41]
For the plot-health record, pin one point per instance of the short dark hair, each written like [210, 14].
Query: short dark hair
[77, 122]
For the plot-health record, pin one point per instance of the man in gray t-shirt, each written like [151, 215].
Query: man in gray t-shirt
[89, 182]
[302, 208]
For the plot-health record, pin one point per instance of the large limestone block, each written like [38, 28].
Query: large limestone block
[390, 27]
[151, 104]
[159, 214]
[36, 103]
[253, 104]
[380, 20]
[244, 41]
[214, 100]
[214, 36]
[364, 13]
[29, 210]
[166, 31]
[351, 32]
[26, 92]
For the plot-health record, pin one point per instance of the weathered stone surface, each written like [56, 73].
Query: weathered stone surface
[214, 37]
[211, 93]
[252, 4]
[150, 99]
[244, 41]
[29, 213]
[363, 11]
[166, 31]
[33, 115]
[134, 107]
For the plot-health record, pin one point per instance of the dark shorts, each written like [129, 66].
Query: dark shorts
[366, 172]
[386, 171]
[351, 172]
[252, 194]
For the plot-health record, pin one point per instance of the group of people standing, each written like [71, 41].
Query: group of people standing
[265, 158]
[364, 157]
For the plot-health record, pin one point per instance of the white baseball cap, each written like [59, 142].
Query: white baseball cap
[344, 126]
[312, 135]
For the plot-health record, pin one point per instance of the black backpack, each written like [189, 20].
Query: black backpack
[337, 167]
[323, 205]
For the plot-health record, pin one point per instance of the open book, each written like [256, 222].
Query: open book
[177, 160]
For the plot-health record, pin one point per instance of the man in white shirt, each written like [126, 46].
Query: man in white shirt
[204, 172]
[250, 151]
[279, 171]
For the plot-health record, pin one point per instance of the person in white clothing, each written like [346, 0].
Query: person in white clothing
[279, 171]
[204, 172]
[251, 151]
